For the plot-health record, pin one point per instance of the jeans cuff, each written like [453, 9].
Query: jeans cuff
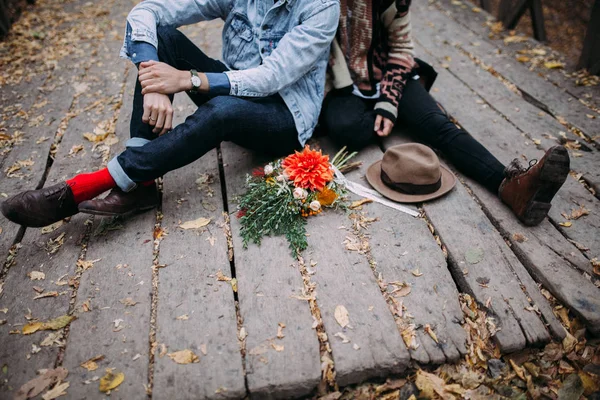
[118, 174]
[136, 142]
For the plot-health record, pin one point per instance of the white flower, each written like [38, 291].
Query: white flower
[300, 193]
[285, 175]
[315, 205]
[280, 178]
[268, 169]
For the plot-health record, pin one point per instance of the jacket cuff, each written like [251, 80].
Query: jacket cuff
[387, 110]
[218, 83]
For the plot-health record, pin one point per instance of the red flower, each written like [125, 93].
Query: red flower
[241, 213]
[308, 169]
[258, 171]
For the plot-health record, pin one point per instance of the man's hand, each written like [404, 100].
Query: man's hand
[383, 126]
[158, 112]
[159, 77]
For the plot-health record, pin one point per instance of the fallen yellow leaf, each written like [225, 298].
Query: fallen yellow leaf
[91, 364]
[553, 64]
[184, 357]
[566, 224]
[54, 324]
[358, 203]
[111, 380]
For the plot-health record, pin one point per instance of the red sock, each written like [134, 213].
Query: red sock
[88, 186]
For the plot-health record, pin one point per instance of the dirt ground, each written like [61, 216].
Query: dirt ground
[565, 21]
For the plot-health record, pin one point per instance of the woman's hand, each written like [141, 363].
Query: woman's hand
[159, 77]
[383, 126]
[158, 112]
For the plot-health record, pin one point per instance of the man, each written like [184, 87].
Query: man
[265, 96]
[376, 86]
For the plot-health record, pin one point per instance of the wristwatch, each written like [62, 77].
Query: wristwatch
[196, 81]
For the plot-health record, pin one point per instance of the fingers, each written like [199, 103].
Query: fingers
[377, 123]
[160, 120]
[154, 88]
[387, 127]
[147, 113]
[383, 126]
[149, 63]
[168, 122]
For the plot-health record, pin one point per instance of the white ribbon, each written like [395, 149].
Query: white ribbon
[371, 194]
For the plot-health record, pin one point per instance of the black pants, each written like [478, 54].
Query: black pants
[263, 124]
[349, 121]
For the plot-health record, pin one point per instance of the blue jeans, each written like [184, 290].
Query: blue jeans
[349, 120]
[262, 124]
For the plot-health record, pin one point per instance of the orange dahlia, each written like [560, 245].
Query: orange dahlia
[308, 169]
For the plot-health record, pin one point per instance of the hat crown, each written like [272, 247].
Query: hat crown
[411, 163]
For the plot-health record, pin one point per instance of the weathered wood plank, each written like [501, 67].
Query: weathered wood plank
[479, 263]
[539, 249]
[195, 311]
[38, 133]
[551, 98]
[117, 289]
[59, 267]
[345, 278]
[502, 139]
[268, 284]
[402, 248]
[526, 117]
[477, 23]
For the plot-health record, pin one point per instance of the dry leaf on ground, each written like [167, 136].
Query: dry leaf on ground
[54, 324]
[358, 203]
[111, 380]
[38, 384]
[430, 385]
[221, 277]
[195, 224]
[277, 347]
[341, 316]
[128, 301]
[184, 357]
[36, 275]
[91, 364]
[58, 390]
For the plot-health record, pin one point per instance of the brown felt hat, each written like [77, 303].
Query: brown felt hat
[410, 173]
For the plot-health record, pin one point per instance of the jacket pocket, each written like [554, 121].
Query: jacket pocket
[238, 42]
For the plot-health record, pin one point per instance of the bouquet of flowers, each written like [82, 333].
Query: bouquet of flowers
[283, 194]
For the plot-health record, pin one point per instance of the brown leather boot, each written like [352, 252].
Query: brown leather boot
[42, 207]
[120, 203]
[528, 192]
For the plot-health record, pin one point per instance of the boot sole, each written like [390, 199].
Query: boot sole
[552, 176]
[114, 214]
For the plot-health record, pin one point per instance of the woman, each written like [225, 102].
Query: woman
[377, 83]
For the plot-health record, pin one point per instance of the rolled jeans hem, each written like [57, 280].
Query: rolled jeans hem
[121, 178]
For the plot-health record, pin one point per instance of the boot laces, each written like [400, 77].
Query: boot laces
[61, 191]
[515, 168]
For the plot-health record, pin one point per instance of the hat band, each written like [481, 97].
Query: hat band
[410, 188]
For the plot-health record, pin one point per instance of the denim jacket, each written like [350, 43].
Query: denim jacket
[269, 46]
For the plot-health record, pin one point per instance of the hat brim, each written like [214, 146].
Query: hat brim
[373, 176]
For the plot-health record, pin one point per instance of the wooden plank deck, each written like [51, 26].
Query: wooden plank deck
[144, 288]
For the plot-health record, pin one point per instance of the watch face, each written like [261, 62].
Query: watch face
[196, 81]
